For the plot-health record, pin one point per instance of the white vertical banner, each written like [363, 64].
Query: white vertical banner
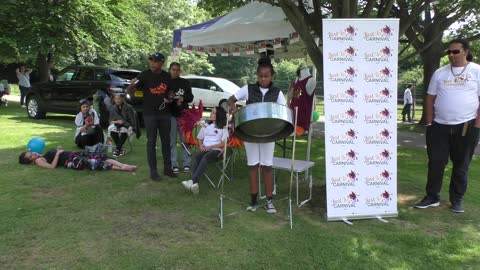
[360, 59]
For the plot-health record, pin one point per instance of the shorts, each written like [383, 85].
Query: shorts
[259, 153]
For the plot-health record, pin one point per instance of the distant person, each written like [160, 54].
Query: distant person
[211, 140]
[260, 155]
[453, 122]
[23, 75]
[3, 101]
[182, 97]
[88, 132]
[122, 122]
[157, 111]
[73, 160]
[407, 103]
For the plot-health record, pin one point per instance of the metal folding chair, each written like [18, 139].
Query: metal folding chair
[225, 170]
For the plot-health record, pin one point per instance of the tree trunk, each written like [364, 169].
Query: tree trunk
[431, 62]
[44, 63]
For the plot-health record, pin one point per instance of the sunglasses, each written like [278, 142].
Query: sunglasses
[453, 51]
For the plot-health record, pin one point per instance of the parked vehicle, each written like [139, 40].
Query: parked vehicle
[208, 89]
[63, 93]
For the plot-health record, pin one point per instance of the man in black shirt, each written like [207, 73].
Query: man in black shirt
[157, 111]
[182, 96]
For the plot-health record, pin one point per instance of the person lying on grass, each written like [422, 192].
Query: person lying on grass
[73, 160]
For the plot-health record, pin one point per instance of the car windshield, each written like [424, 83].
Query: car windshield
[124, 75]
[226, 85]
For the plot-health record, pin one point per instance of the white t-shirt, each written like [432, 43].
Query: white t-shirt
[407, 97]
[212, 135]
[456, 96]
[24, 79]
[242, 94]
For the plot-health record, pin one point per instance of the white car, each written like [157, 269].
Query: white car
[211, 90]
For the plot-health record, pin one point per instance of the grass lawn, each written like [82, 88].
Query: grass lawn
[65, 219]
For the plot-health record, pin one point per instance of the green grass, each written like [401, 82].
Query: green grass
[64, 219]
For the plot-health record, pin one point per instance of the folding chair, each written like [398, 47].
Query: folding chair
[137, 132]
[224, 173]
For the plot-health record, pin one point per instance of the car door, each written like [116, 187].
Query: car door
[56, 94]
[81, 86]
[200, 93]
[215, 92]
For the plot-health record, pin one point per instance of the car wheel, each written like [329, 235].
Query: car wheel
[35, 107]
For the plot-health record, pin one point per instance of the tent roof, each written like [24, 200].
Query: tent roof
[251, 24]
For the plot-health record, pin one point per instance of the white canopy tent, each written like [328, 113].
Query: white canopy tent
[250, 25]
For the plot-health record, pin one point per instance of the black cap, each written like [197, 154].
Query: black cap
[157, 57]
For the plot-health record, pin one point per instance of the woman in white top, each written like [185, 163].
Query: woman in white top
[211, 140]
[260, 154]
[88, 131]
[23, 75]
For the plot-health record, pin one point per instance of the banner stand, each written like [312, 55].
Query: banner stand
[360, 82]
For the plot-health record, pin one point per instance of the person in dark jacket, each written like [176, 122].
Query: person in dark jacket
[182, 97]
[122, 122]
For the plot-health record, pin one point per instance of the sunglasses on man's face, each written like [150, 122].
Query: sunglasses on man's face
[448, 52]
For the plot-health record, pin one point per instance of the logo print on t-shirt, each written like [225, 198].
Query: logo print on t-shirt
[162, 88]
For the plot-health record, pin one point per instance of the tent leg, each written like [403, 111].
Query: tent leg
[221, 211]
[290, 212]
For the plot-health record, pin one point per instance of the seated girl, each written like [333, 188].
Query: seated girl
[122, 122]
[211, 140]
[73, 160]
[88, 131]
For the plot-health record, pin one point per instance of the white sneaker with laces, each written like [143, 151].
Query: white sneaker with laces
[270, 208]
[195, 188]
[175, 170]
[187, 184]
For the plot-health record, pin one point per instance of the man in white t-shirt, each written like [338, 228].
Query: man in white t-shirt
[453, 121]
[407, 103]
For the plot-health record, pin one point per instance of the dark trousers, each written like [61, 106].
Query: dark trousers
[23, 94]
[90, 139]
[119, 139]
[456, 142]
[406, 111]
[154, 124]
[201, 160]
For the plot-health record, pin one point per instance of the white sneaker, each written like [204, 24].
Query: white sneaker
[195, 188]
[187, 184]
[252, 207]
[270, 208]
[175, 170]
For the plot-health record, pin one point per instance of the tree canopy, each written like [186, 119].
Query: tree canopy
[50, 33]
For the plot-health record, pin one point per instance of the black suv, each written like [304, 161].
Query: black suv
[63, 93]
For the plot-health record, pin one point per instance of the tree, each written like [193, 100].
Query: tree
[104, 32]
[426, 33]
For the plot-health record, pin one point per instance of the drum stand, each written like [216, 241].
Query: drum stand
[222, 215]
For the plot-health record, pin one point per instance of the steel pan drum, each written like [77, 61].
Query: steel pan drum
[263, 122]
